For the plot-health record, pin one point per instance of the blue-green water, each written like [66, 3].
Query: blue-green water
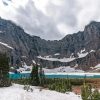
[27, 75]
[72, 76]
[19, 75]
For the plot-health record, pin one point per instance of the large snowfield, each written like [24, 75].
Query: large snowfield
[16, 92]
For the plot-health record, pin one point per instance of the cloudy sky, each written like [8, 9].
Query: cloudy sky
[51, 19]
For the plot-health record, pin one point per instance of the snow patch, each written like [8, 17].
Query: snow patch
[6, 45]
[76, 66]
[72, 55]
[56, 59]
[97, 66]
[82, 53]
[57, 54]
[33, 61]
[16, 92]
[64, 69]
[24, 68]
[92, 51]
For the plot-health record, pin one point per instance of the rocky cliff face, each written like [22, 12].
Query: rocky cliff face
[81, 49]
[24, 46]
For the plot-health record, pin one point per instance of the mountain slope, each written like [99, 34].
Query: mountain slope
[22, 43]
[81, 49]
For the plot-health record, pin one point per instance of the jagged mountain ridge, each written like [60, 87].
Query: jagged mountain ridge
[23, 44]
[73, 47]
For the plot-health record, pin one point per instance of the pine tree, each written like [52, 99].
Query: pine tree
[34, 76]
[41, 76]
[86, 92]
[4, 70]
[68, 84]
[96, 95]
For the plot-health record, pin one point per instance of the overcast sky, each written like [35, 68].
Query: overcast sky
[51, 19]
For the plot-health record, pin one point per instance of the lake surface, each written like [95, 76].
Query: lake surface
[19, 75]
[58, 75]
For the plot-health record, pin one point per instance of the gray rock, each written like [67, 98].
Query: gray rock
[26, 47]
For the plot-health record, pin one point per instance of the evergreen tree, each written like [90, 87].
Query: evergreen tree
[35, 76]
[68, 84]
[86, 92]
[4, 70]
[96, 95]
[41, 76]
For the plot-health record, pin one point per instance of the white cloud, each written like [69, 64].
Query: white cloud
[89, 12]
[41, 4]
[51, 19]
[63, 28]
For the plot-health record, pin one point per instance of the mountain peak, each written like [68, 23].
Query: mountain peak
[94, 23]
[92, 28]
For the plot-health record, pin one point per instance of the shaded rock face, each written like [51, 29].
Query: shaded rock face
[27, 48]
[89, 40]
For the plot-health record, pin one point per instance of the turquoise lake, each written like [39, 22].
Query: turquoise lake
[27, 75]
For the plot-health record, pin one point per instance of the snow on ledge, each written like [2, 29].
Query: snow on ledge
[92, 51]
[57, 54]
[6, 45]
[97, 66]
[56, 59]
[80, 54]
